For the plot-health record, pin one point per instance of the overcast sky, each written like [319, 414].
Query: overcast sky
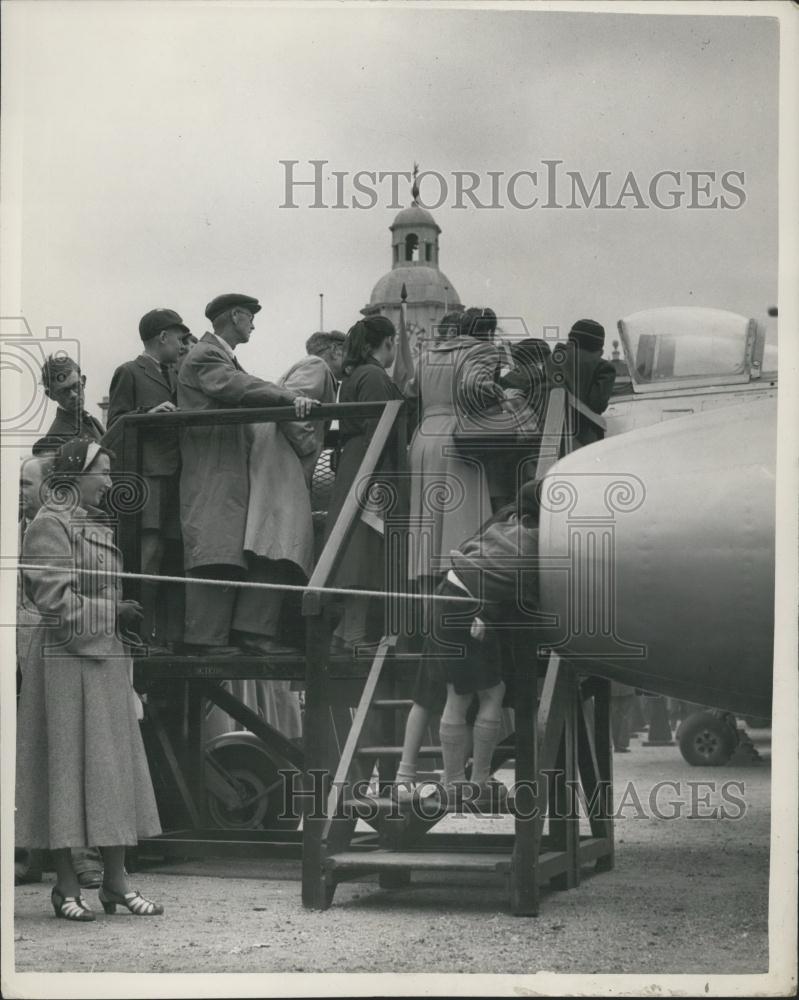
[152, 135]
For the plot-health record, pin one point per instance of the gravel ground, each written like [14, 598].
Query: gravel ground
[686, 895]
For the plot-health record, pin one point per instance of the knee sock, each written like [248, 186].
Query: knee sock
[486, 735]
[406, 772]
[453, 750]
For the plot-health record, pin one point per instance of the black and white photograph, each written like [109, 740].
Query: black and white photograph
[399, 498]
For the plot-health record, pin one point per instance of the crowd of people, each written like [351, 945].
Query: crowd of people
[231, 503]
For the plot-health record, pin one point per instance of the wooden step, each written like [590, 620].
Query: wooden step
[351, 863]
[385, 807]
[498, 758]
[372, 804]
[392, 703]
[388, 751]
[381, 860]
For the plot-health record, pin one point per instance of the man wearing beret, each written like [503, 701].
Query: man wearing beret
[214, 484]
[147, 385]
[586, 375]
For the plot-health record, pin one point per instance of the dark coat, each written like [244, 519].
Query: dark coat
[499, 567]
[215, 481]
[67, 426]
[361, 564]
[590, 378]
[138, 386]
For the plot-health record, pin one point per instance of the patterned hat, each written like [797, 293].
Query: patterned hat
[75, 456]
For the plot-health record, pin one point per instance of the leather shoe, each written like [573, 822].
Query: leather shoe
[154, 650]
[149, 649]
[27, 866]
[198, 649]
[91, 878]
[340, 647]
[266, 645]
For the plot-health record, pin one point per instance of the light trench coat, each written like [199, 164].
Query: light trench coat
[282, 459]
[279, 525]
[82, 775]
[215, 480]
[450, 496]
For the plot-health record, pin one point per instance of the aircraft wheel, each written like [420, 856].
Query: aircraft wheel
[707, 739]
[259, 787]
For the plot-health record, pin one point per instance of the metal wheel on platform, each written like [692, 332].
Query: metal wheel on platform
[244, 786]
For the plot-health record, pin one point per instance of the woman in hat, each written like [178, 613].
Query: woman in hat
[82, 775]
[368, 351]
[450, 495]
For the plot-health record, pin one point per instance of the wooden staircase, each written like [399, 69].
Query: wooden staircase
[563, 745]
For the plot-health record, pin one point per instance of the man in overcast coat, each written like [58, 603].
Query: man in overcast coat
[214, 483]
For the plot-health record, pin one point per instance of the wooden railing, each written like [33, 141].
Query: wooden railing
[390, 428]
[125, 439]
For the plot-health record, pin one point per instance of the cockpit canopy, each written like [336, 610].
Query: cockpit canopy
[679, 345]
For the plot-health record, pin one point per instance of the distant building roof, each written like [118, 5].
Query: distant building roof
[415, 215]
[423, 283]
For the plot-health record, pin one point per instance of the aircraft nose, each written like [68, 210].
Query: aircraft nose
[657, 552]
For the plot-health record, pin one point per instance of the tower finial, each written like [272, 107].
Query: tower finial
[415, 188]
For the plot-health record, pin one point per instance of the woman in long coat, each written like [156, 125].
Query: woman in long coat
[368, 352]
[82, 776]
[450, 496]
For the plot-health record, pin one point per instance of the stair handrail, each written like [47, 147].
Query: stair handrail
[124, 438]
[345, 522]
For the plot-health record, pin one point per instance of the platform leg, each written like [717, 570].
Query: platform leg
[523, 888]
[159, 743]
[603, 743]
[564, 821]
[317, 888]
[195, 751]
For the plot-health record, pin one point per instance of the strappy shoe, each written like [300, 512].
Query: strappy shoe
[133, 901]
[70, 907]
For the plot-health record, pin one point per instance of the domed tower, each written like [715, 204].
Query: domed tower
[414, 264]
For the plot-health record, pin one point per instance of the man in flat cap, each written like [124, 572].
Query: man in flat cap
[581, 369]
[279, 534]
[214, 484]
[148, 385]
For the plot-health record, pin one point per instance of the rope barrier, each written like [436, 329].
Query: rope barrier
[302, 588]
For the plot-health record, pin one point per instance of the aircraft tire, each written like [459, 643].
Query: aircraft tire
[707, 739]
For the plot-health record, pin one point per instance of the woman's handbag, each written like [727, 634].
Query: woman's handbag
[493, 432]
